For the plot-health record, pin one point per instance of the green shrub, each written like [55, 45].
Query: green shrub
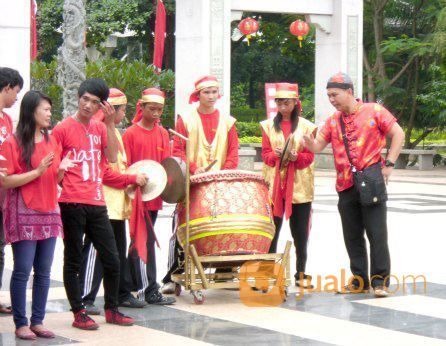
[248, 129]
[132, 77]
[250, 139]
[246, 114]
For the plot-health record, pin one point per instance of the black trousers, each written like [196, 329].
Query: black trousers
[143, 275]
[300, 228]
[79, 219]
[357, 219]
[2, 248]
[92, 270]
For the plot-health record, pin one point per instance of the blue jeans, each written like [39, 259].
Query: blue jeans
[27, 254]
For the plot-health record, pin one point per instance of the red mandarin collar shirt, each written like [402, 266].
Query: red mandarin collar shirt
[366, 130]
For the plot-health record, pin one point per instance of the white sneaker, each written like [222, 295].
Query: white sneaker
[381, 292]
[168, 288]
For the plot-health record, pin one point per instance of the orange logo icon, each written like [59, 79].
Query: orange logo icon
[262, 283]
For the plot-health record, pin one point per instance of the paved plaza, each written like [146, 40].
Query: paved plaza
[413, 315]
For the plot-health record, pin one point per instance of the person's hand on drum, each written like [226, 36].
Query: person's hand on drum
[141, 179]
[278, 152]
[200, 170]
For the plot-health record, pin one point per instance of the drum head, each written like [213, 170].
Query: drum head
[175, 190]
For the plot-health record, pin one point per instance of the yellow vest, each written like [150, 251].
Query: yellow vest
[117, 201]
[201, 152]
[303, 189]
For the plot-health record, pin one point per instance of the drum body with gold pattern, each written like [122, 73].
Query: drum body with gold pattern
[230, 213]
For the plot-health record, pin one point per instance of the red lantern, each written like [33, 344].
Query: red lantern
[248, 26]
[300, 29]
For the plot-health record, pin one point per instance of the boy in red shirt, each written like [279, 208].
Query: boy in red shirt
[146, 140]
[218, 141]
[82, 204]
[10, 85]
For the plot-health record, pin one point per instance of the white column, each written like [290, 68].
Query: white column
[338, 48]
[202, 48]
[15, 43]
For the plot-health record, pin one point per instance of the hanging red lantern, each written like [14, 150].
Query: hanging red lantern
[300, 29]
[248, 26]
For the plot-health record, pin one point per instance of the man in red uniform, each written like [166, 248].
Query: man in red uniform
[10, 85]
[366, 127]
[82, 204]
[212, 136]
[146, 139]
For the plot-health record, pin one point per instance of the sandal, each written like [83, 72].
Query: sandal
[7, 310]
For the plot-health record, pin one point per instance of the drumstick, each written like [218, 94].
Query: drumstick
[177, 134]
[210, 165]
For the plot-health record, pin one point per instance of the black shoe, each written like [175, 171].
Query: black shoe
[132, 302]
[92, 309]
[158, 299]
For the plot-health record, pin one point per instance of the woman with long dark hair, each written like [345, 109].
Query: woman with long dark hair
[288, 168]
[31, 213]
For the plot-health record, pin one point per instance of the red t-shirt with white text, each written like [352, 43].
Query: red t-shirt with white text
[83, 183]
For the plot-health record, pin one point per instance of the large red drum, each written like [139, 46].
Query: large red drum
[230, 214]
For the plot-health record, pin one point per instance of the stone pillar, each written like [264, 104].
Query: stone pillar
[15, 44]
[246, 159]
[202, 47]
[72, 54]
[338, 48]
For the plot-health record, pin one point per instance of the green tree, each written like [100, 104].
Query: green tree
[273, 56]
[399, 54]
[105, 17]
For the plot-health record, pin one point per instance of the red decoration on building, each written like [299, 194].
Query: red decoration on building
[248, 26]
[300, 29]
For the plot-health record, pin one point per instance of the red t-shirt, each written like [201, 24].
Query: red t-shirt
[5, 127]
[83, 183]
[210, 124]
[366, 130]
[41, 193]
[5, 132]
[142, 144]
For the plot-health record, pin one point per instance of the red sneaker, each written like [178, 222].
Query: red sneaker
[83, 321]
[115, 317]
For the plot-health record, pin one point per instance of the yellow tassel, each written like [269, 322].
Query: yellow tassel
[248, 37]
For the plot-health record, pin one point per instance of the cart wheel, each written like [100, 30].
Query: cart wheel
[198, 297]
[177, 289]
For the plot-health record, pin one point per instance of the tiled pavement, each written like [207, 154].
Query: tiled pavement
[411, 316]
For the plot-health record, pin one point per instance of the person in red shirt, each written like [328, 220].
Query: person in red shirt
[146, 139]
[366, 127]
[212, 137]
[82, 204]
[118, 207]
[10, 85]
[291, 186]
[31, 213]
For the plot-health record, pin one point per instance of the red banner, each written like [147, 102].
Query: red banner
[33, 30]
[160, 35]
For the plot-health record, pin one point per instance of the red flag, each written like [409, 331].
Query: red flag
[33, 30]
[160, 35]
